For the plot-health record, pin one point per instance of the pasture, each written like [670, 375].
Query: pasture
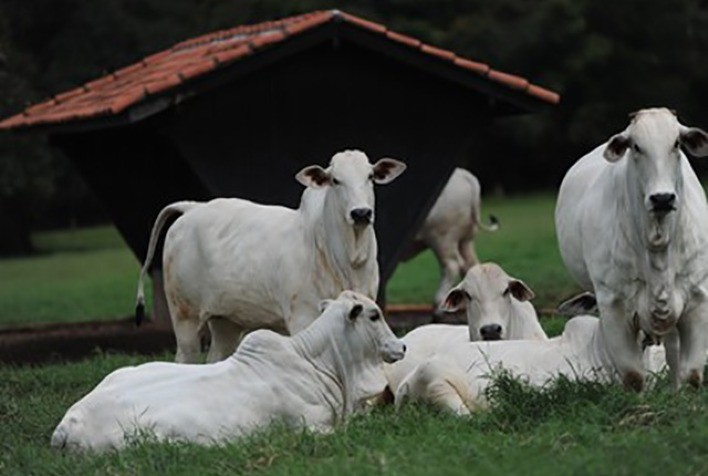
[566, 428]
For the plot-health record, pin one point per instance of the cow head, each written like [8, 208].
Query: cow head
[487, 294]
[350, 179]
[367, 333]
[652, 143]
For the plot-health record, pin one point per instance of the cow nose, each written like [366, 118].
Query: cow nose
[362, 215]
[491, 332]
[662, 202]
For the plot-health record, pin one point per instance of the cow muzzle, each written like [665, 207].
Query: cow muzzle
[362, 216]
[662, 203]
[491, 332]
[393, 350]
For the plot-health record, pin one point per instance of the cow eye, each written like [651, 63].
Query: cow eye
[637, 149]
[371, 176]
[335, 181]
[676, 145]
[375, 317]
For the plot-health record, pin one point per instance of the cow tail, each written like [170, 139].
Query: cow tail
[165, 214]
[493, 220]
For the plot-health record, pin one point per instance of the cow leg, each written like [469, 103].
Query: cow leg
[449, 260]
[225, 336]
[692, 330]
[671, 346]
[468, 253]
[624, 351]
[188, 341]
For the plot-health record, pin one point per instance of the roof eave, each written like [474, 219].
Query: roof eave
[503, 99]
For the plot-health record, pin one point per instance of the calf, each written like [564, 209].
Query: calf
[497, 307]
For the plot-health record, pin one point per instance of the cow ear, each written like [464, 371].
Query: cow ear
[616, 147]
[455, 301]
[324, 304]
[386, 170]
[356, 310]
[313, 176]
[520, 291]
[695, 141]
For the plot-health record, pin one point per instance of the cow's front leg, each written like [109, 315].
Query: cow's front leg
[692, 331]
[622, 347]
[672, 348]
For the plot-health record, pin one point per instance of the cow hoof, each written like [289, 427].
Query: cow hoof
[633, 381]
[695, 379]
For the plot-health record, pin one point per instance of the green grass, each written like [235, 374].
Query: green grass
[90, 274]
[565, 428]
[79, 275]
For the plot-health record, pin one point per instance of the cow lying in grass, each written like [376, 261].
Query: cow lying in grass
[497, 307]
[313, 379]
[455, 378]
[240, 266]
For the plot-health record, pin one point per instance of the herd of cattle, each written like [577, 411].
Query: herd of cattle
[631, 225]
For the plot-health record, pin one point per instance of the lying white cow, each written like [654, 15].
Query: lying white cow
[497, 307]
[313, 379]
[455, 378]
[450, 228]
[241, 266]
[631, 225]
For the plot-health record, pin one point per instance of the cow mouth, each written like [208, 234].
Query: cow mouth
[662, 209]
[492, 337]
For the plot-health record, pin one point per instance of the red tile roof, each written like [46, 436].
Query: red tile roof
[116, 92]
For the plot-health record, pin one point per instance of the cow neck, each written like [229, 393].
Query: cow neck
[344, 249]
[657, 242]
[344, 373]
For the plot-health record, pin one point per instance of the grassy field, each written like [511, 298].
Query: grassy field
[90, 274]
[567, 428]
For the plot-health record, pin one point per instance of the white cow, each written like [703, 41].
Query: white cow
[631, 224]
[456, 377]
[313, 379]
[497, 307]
[450, 228]
[242, 266]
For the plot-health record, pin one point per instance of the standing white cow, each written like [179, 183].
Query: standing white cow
[497, 307]
[457, 377]
[242, 266]
[450, 228]
[631, 224]
[313, 379]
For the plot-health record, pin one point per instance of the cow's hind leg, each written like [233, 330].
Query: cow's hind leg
[450, 261]
[188, 340]
[225, 336]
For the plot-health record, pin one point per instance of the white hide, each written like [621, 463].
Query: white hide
[243, 266]
[489, 296]
[313, 379]
[456, 378]
[450, 228]
[645, 260]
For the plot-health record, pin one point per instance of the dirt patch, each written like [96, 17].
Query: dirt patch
[40, 343]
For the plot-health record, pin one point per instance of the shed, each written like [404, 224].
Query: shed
[238, 112]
